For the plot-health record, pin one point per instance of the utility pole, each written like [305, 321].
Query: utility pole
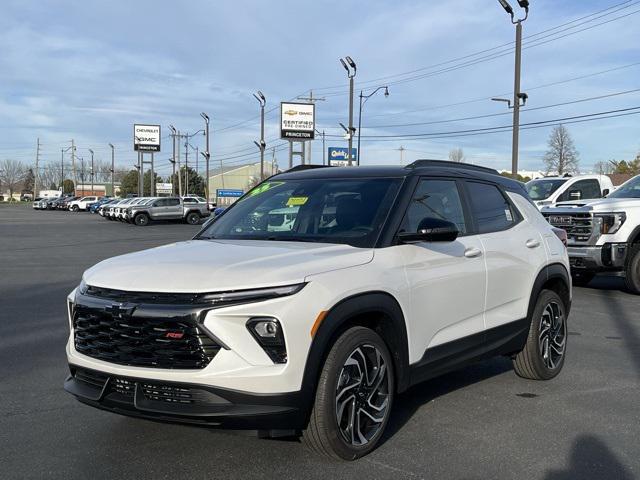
[73, 166]
[62, 172]
[92, 192]
[350, 66]
[140, 173]
[262, 145]
[113, 188]
[186, 165]
[35, 178]
[207, 156]
[311, 99]
[179, 168]
[173, 159]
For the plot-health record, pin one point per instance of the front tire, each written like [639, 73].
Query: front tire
[543, 355]
[193, 218]
[354, 397]
[632, 269]
[75, 208]
[141, 220]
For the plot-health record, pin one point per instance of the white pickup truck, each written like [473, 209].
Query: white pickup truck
[603, 234]
[548, 191]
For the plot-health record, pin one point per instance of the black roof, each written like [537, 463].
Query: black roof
[419, 167]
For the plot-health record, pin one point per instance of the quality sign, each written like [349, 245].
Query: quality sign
[339, 156]
[297, 121]
[146, 138]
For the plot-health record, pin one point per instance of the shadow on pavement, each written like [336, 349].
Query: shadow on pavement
[628, 323]
[591, 459]
[410, 401]
[607, 282]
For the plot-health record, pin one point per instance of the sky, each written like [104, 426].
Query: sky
[90, 70]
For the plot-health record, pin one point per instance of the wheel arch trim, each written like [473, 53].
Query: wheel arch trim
[338, 316]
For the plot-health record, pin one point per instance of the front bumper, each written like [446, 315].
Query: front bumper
[610, 256]
[186, 403]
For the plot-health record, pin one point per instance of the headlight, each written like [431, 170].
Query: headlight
[82, 288]
[611, 222]
[247, 296]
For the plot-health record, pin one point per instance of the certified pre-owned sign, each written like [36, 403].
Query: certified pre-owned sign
[297, 121]
[146, 138]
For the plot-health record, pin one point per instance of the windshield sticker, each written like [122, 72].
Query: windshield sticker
[296, 201]
[264, 187]
[507, 212]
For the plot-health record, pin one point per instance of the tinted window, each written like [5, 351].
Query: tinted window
[435, 199]
[490, 209]
[588, 189]
[189, 200]
[348, 211]
[160, 203]
[543, 188]
[172, 202]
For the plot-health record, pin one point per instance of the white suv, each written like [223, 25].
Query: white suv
[82, 203]
[386, 277]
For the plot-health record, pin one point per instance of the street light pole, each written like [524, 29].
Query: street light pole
[517, 94]
[363, 100]
[91, 171]
[113, 188]
[262, 145]
[351, 68]
[173, 159]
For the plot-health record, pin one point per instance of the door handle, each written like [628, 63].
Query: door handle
[532, 243]
[472, 252]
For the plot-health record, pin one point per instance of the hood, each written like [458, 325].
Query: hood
[599, 204]
[216, 265]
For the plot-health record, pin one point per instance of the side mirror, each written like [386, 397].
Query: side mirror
[605, 192]
[575, 194]
[431, 230]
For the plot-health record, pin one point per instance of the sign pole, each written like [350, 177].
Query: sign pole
[152, 180]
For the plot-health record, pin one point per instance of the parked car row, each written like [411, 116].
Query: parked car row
[137, 210]
[143, 210]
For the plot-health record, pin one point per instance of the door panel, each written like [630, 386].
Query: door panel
[447, 279]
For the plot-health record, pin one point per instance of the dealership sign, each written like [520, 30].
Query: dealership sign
[339, 156]
[297, 121]
[146, 138]
[164, 188]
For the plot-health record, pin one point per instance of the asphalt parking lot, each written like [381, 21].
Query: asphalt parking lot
[482, 422]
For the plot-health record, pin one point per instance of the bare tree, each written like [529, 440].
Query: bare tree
[12, 173]
[456, 155]
[603, 168]
[562, 155]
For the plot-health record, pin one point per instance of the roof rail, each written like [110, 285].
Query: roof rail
[448, 164]
[308, 166]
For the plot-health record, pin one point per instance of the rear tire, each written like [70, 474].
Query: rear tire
[543, 355]
[193, 218]
[75, 208]
[582, 279]
[354, 397]
[632, 269]
[141, 220]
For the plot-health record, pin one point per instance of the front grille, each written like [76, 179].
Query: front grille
[579, 226]
[154, 298]
[141, 340]
[167, 393]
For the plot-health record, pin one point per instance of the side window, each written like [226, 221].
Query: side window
[160, 203]
[189, 200]
[587, 189]
[172, 202]
[435, 199]
[490, 209]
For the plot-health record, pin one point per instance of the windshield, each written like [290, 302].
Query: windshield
[544, 188]
[348, 211]
[629, 189]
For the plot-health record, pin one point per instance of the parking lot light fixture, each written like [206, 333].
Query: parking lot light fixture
[91, 171]
[262, 145]
[517, 94]
[351, 68]
[113, 191]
